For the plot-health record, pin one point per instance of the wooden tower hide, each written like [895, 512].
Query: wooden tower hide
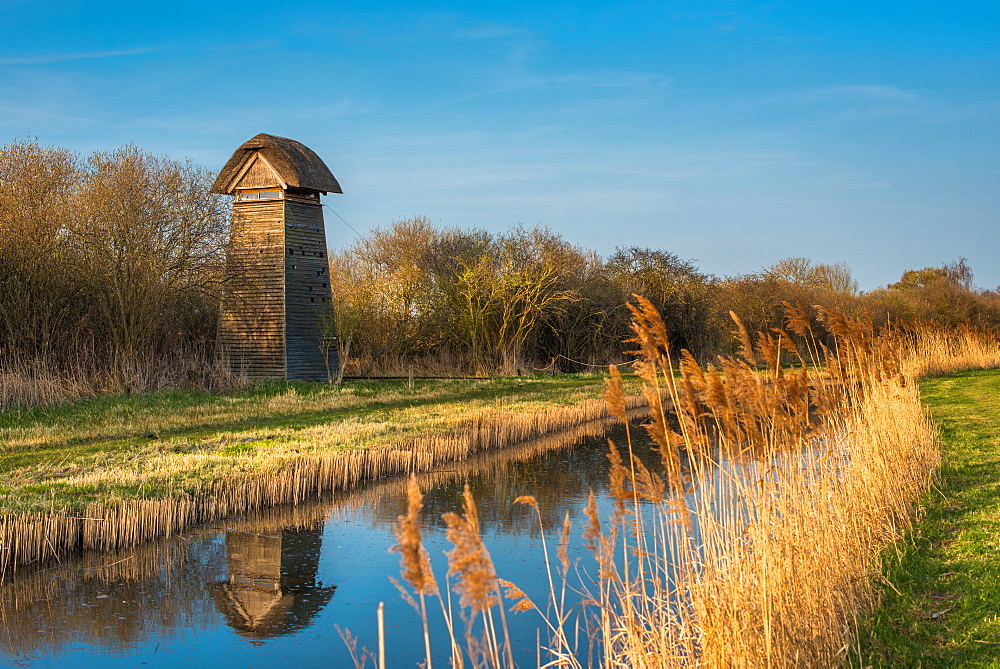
[276, 307]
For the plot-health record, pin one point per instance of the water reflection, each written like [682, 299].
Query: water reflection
[115, 602]
[258, 585]
[272, 588]
[559, 472]
[111, 602]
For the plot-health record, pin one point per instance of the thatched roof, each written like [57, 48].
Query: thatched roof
[296, 164]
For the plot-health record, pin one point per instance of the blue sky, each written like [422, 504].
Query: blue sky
[732, 133]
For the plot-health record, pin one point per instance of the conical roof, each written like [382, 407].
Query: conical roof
[296, 164]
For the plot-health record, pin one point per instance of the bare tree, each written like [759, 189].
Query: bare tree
[109, 263]
[148, 239]
[805, 272]
[37, 297]
[682, 294]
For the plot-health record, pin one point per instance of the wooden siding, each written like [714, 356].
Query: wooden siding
[307, 293]
[277, 291]
[253, 320]
[259, 176]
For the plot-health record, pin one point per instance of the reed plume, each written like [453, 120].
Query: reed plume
[415, 562]
[469, 560]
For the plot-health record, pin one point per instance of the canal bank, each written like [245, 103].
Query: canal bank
[775, 571]
[116, 471]
[941, 583]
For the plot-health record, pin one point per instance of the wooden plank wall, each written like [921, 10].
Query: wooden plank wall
[252, 327]
[307, 293]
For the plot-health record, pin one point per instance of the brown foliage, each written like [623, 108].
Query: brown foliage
[109, 265]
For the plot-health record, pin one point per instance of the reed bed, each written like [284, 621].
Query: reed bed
[27, 382]
[757, 541]
[237, 486]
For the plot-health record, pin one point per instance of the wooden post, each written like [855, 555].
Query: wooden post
[381, 635]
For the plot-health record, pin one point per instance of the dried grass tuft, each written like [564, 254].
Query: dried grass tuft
[469, 560]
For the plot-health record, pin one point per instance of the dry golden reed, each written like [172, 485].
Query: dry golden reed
[416, 564]
[795, 478]
[469, 560]
[781, 482]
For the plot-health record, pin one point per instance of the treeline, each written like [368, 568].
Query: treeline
[450, 300]
[110, 268]
[111, 271]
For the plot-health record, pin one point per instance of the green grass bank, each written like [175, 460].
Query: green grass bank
[941, 588]
[152, 445]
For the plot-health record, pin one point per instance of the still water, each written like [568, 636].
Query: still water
[273, 590]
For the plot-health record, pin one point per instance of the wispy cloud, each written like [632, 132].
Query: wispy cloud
[21, 115]
[66, 57]
[849, 102]
[607, 79]
[860, 92]
[491, 31]
[642, 84]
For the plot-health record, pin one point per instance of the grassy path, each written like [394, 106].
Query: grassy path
[64, 456]
[941, 605]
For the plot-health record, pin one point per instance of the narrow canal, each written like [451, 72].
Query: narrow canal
[274, 590]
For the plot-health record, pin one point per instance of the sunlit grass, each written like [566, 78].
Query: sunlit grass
[267, 418]
[941, 596]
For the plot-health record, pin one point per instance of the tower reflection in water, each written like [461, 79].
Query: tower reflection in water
[272, 588]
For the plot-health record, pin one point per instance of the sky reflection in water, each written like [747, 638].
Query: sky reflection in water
[272, 590]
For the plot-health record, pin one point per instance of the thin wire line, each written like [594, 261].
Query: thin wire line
[342, 218]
